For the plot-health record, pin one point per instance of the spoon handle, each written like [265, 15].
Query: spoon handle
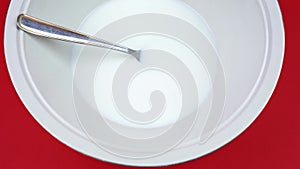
[45, 29]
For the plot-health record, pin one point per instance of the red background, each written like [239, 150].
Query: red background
[273, 141]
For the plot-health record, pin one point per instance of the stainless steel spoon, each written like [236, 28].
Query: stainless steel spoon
[45, 29]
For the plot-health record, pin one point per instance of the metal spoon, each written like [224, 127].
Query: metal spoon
[45, 29]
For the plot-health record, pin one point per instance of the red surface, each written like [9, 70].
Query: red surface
[273, 141]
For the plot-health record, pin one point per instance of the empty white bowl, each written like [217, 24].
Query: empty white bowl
[229, 47]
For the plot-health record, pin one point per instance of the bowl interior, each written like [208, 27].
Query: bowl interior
[49, 62]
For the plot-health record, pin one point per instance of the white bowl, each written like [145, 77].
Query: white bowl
[246, 40]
